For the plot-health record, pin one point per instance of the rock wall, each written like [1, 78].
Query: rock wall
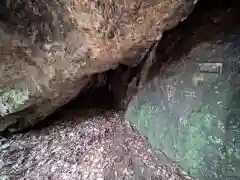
[50, 49]
[187, 103]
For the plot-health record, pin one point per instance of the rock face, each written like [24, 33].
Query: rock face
[50, 49]
[190, 108]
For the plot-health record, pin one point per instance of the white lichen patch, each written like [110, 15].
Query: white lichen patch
[11, 100]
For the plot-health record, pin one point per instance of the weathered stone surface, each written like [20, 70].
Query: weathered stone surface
[190, 108]
[213, 19]
[49, 49]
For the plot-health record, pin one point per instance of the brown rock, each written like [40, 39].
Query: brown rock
[50, 49]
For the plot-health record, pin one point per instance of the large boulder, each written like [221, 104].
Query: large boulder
[50, 49]
[190, 109]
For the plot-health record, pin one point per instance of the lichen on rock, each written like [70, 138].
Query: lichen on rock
[54, 47]
[11, 100]
[190, 109]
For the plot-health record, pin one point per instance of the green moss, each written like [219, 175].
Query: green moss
[197, 144]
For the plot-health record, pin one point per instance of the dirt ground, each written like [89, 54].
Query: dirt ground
[84, 146]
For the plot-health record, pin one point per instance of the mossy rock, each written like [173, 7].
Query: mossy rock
[193, 116]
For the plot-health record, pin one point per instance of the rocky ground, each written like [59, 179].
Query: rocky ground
[96, 146]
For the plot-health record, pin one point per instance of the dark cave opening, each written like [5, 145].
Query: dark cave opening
[103, 93]
[107, 90]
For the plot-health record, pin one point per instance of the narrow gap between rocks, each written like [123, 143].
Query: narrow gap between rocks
[107, 90]
[74, 145]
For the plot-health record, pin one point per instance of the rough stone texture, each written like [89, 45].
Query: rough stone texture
[49, 49]
[167, 99]
[96, 147]
[190, 111]
[214, 19]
